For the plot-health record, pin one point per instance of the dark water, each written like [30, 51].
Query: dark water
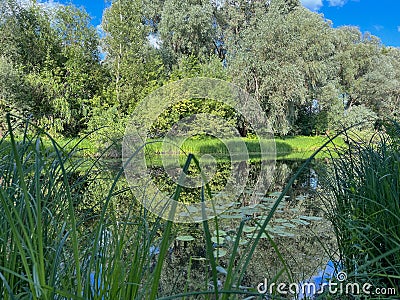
[299, 231]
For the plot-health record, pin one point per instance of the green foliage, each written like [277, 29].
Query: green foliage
[186, 28]
[108, 126]
[359, 115]
[56, 61]
[191, 114]
[26, 36]
[284, 60]
[365, 185]
[303, 72]
[14, 90]
[368, 73]
[133, 64]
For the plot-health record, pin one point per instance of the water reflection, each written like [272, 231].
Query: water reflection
[298, 230]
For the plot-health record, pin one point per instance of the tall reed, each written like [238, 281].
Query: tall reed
[363, 189]
[49, 249]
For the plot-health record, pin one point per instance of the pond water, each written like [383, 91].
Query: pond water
[296, 246]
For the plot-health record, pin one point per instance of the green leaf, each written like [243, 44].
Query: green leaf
[185, 238]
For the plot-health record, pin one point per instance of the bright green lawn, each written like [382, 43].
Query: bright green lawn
[297, 147]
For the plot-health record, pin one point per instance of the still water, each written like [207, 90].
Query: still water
[295, 247]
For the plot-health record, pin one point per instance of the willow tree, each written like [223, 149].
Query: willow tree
[283, 57]
[368, 73]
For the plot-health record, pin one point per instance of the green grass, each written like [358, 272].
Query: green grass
[298, 147]
[293, 148]
[364, 183]
[49, 249]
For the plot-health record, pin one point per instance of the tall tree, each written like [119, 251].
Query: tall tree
[188, 28]
[368, 72]
[26, 36]
[283, 57]
[57, 54]
[127, 49]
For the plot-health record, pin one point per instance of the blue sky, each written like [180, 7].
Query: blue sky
[380, 17]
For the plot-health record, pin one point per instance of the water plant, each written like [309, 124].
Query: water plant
[364, 184]
[51, 249]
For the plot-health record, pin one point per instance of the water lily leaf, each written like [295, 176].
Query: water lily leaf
[221, 270]
[268, 200]
[249, 210]
[279, 220]
[220, 232]
[289, 225]
[234, 216]
[299, 221]
[311, 218]
[278, 227]
[219, 252]
[253, 236]
[248, 229]
[275, 194]
[286, 234]
[192, 209]
[185, 238]
[217, 240]
[198, 258]
[243, 242]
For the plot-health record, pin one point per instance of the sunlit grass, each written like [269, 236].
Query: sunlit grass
[298, 147]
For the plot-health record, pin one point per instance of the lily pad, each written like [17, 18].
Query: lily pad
[219, 252]
[185, 238]
[301, 222]
[192, 209]
[279, 220]
[253, 236]
[220, 233]
[221, 270]
[233, 216]
[286, 234]
[249, 229]
[311, 218]
[289, 225]
[217, 240]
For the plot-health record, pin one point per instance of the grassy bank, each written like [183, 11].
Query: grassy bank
[297, 147]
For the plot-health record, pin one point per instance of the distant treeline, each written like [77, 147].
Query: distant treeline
[309, 77]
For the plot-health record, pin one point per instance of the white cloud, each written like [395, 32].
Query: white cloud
[398, 28]
[337, 2]
[312, 4]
